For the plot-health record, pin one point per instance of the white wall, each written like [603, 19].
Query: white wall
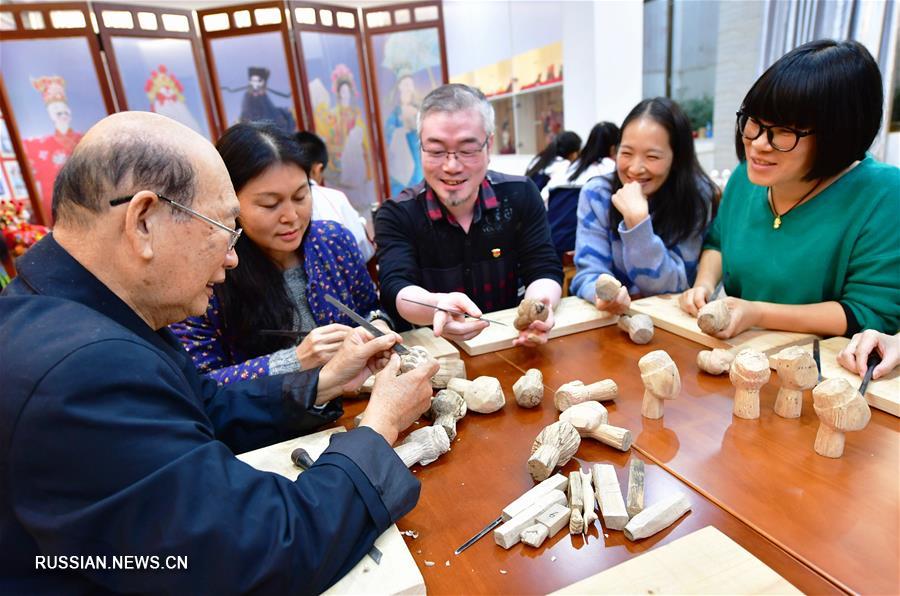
[602, 61]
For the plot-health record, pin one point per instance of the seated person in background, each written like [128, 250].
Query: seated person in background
[561, 193]
[644, 224]
[556, 157]
[597, 158]
[855, 356]
[91, 377]
[466, 238]
[288, 264]
[806, 236]
[331, 203]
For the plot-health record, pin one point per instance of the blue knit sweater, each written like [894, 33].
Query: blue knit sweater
[637, 257]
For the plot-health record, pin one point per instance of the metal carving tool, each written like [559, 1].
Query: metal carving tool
[873, 361]
[717, 291]
[555, 482]
[284, 333]
[400, 349]
[302, 460]
[479, 535]
[817, 359]
[454, 312]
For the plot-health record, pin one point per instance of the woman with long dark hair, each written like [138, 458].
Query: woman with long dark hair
[597, 158]
[287, 265]
[644, 223]
[806, 238]
[556, 156]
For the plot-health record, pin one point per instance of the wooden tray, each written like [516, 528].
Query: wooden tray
[397, 573]
[666, 314]
[703, 562]
[883, 394]
[573, 315]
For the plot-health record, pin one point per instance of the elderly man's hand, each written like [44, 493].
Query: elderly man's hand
[398, 400]
[538, 332]
[359, 356]
[457, 327]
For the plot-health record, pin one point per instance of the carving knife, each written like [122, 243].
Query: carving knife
[400, 349]
[555, 482]
[816, 358]
[302, 460]
[717, 291]
[454, 312]
[873, 361]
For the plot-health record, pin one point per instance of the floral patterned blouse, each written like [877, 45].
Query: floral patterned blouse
[333, 265]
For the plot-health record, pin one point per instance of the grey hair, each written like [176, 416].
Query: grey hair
[457, 97]
[99, 172]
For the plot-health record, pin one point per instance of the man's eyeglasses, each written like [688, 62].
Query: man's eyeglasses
[781, 138]
[235, 234]
[469, 153]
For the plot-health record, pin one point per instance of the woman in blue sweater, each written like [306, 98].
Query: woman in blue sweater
[644, 223]
[288, 264]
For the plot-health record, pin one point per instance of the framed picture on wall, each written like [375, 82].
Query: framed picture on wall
[407, 59]
[251, 65]
[337, 99]
[155, 63]
[54, 89]
[5, 192]
[6, 147]
[16, 182]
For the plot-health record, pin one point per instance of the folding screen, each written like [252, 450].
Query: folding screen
[155, 63]
[52, 89]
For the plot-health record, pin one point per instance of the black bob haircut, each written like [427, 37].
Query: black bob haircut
[830, 87]
[313, 148]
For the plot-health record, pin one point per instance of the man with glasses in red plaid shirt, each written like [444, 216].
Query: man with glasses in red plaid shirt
[465, 239]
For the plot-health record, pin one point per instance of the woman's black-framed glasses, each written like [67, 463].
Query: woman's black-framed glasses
[781, 138]
[235, 234]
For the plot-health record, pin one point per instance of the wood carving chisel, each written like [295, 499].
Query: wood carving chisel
[873, 361]
[555, 482]
[399, 348]
[454, 312]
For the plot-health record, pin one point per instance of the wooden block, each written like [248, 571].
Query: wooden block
[452, 367]
[666, 314]
[556, 518]
[573, 315]
[397, 573]
[438, 347]
[634, 503]
[883, 394]
[508, 535]
[555, 482]
[609, 496]
[534, 535]
[703, 562]
[657, 517]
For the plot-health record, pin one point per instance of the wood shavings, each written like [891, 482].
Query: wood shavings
[429, 563]
[446, 563]
[552, 559]
[504, 571]
[411, 533]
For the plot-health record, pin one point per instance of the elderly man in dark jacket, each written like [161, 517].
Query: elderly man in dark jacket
[112, 445]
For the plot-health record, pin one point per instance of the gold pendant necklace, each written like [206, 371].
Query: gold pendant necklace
[776, 223]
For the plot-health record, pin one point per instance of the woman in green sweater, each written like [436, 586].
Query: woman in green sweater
[806, 237]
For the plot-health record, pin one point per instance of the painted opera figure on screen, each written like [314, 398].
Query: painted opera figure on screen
[48, 154]
[166, 95]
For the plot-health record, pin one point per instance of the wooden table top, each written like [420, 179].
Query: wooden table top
[825, 525]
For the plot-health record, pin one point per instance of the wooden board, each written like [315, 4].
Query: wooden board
[666, 314]
[703, 562]
[883, 394]
[438, 347]
[397, 573]
[573, 315]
